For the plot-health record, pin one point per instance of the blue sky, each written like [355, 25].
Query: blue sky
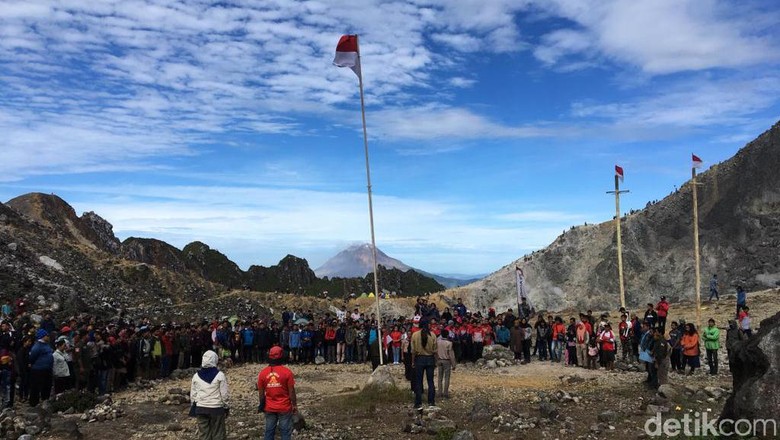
[493, 125]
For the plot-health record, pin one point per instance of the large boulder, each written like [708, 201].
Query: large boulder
[756, 372]
[381, 378]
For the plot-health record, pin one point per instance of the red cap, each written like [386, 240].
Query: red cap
[65, 329]
[276, 352]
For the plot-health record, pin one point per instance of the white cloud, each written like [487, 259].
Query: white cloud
[659, 36]
[193, 70]
[245, 222]
[699, 102]
[461, 82]
[441, 122]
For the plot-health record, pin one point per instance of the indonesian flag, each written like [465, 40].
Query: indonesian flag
[347, 54]
[697, 162]
[619, 172]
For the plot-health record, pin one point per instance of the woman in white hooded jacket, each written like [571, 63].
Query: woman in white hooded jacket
[209, 396]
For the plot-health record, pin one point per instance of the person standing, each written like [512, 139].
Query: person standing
[661, 359]
[712, 344]
[583, 337]
[516, 340]
[646, 346]
[744, 321]
[276, 386]
[210, 396]
[608, 348]
[558, 340]
[733, 337]
[714, 287]
[445, 359]
[690, 346]
[741, 299]
[395, 338]
[662, 309]
[424, 347]
[624, 329]
[675, 336]
[41, 363]
[60, 368]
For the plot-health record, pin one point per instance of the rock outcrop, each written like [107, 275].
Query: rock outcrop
[212, 265]
[155, 252]
[756, 373]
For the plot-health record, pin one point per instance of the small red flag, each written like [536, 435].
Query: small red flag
[619, 172]
[347, 53]
[697, 162]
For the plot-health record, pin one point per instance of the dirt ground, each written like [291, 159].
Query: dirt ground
[332, 405]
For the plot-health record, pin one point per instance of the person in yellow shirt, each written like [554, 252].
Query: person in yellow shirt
[424, 348]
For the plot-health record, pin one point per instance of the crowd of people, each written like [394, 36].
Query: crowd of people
[39, 356]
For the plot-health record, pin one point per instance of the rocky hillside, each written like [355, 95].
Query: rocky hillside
[739, 215]
[61, 261]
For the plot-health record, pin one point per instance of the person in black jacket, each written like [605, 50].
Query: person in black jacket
[22, 368]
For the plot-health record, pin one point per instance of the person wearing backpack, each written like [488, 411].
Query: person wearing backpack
[712, 345]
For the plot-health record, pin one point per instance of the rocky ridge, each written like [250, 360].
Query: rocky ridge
[739, 216]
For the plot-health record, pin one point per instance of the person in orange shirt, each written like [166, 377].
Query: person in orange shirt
[395, 338]
[558, 340]
[276, 386]
[690, 346]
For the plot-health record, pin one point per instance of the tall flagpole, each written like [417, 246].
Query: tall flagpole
[696, 255]
[617, 193]
[370, 207]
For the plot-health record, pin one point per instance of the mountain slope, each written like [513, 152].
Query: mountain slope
[739, 221]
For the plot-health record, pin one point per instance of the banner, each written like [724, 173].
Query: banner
[522, 289]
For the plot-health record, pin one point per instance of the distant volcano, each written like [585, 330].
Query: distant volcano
[357, 261]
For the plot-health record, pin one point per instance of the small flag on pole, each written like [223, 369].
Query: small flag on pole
[619, 172]
[697, 162]
[347, 53]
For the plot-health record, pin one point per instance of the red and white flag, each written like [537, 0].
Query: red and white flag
[697, 162]
[619, 172]
[347, 53]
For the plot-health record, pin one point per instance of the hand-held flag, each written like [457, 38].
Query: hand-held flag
[348, 54]
[619, 172]
[697, 162]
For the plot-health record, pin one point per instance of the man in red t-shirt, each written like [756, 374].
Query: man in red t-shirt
[276, 384]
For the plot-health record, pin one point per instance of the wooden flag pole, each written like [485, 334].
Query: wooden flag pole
[617, 193]
[370, 209]
[696, 254]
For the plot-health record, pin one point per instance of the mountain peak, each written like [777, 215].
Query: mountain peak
[357, 261]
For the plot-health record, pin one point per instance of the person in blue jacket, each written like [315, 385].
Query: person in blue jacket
[41, 363]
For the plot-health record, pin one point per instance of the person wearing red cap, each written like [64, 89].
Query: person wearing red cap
[276, 387]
